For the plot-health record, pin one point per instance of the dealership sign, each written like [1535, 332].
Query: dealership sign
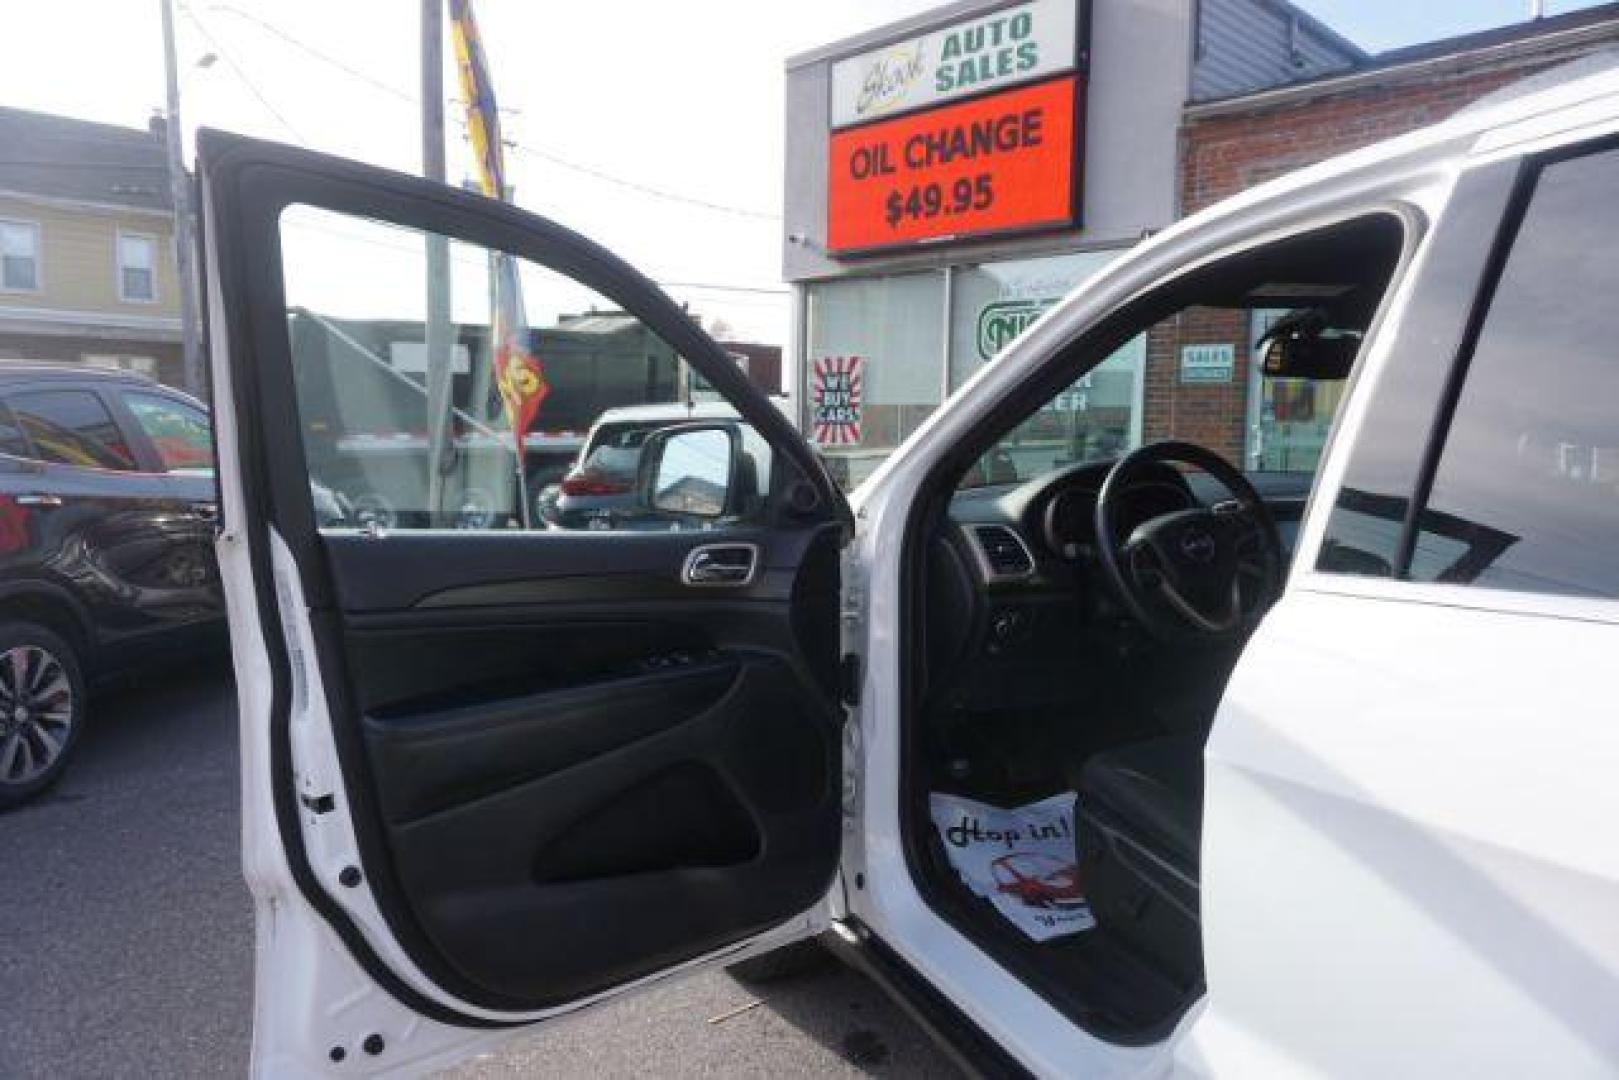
[1002, 320]
[1019, 44]
[1208, 363]
[996, 163]
[837, 394]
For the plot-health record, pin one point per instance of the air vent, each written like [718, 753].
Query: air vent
[1002, 554]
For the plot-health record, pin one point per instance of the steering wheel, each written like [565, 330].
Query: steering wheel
[1200, 575]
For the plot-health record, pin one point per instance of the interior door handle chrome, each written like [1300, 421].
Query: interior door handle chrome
[721, 564]
[41, 499]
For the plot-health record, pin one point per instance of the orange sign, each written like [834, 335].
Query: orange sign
[1005, 161]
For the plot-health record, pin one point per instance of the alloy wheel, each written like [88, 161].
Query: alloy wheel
[36, 712]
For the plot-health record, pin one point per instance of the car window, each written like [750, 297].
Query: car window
[72, 427]
[178, 431]
[1526, 495]
[12, 440]
[378, 400]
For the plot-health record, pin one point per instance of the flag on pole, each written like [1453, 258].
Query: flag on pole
[519, 375]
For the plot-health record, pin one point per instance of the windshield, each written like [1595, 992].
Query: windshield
[1194, 373]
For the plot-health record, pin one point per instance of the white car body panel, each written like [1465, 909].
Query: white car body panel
[1278, 1019]
[1399, 873]
[311, 996]
[1394, 882]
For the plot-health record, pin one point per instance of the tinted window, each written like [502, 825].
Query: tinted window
[1526, 496]
[178, 431]
[1367, 522]
[72, 427]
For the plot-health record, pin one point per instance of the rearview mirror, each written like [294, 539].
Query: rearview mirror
[1303, 346]
[690, 469]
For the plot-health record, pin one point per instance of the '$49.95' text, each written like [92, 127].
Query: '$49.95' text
[923, 201]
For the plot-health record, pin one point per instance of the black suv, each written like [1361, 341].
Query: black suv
[107, 510]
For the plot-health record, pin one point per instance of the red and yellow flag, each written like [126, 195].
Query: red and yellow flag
[519, 375]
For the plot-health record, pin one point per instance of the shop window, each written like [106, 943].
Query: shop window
[1289, 419]
[874, 368]
[1098, 417]
[19, 256]
[137, 268]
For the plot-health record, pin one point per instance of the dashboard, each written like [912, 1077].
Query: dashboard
[1014, 582]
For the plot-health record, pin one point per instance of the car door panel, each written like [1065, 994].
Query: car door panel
[672, 787]
[566, 768]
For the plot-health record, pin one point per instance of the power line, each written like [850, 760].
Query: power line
[477, 260]
[645, 189]
[513, 144]
[242, 75]
[325, 58]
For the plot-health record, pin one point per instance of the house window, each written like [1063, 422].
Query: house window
[19, 256]
[137, 267]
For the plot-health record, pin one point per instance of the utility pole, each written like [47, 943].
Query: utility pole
[196, 379]
[438, 336]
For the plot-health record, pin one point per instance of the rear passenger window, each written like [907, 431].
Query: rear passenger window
[178, 432]
[1526, 496]
[72, 427]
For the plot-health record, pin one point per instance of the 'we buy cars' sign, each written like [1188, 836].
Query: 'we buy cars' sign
[969, 129]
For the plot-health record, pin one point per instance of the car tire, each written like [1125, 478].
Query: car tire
[798, 958]
[39, 732]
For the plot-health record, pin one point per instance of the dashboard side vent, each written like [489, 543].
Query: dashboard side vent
[1002, 553]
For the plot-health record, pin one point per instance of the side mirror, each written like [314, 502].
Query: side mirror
[1303, 346]
[690, 470]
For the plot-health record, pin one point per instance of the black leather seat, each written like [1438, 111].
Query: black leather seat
[1140, 820]
[1153, 791]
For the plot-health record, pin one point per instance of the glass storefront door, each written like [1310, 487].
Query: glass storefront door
[1288, 419]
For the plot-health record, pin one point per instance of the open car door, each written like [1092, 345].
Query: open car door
[507, 749]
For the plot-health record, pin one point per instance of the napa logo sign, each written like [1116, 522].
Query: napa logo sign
[1001, 321]
[1015, 45]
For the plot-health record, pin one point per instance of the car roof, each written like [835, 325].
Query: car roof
[67, 369]
[661, 413]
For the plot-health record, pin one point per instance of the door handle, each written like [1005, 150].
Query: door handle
[721, 564]
[42, 500]
[206, 510]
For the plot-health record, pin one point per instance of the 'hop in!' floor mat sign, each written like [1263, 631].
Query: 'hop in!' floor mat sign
[1023, 860]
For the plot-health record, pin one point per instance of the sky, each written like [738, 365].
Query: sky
[606, 100]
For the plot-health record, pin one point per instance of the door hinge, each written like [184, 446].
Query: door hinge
[849, 679]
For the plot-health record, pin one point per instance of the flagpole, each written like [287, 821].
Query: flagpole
[438, 332]
[522, 439]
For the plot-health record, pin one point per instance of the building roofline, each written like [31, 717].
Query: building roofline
[102, 129]
[1521, 40]
[113, 209]
[1319, 28]
[934, 18]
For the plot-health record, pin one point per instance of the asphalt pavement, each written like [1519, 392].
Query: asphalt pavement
[126, 937]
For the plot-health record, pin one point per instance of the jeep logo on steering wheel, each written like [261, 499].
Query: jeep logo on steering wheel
[1197, 545]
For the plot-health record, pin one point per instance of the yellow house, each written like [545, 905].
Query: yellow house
[87, 259]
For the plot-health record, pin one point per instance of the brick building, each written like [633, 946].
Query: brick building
[1234, 143]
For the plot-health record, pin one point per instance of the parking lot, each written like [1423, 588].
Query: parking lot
[125, 944]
